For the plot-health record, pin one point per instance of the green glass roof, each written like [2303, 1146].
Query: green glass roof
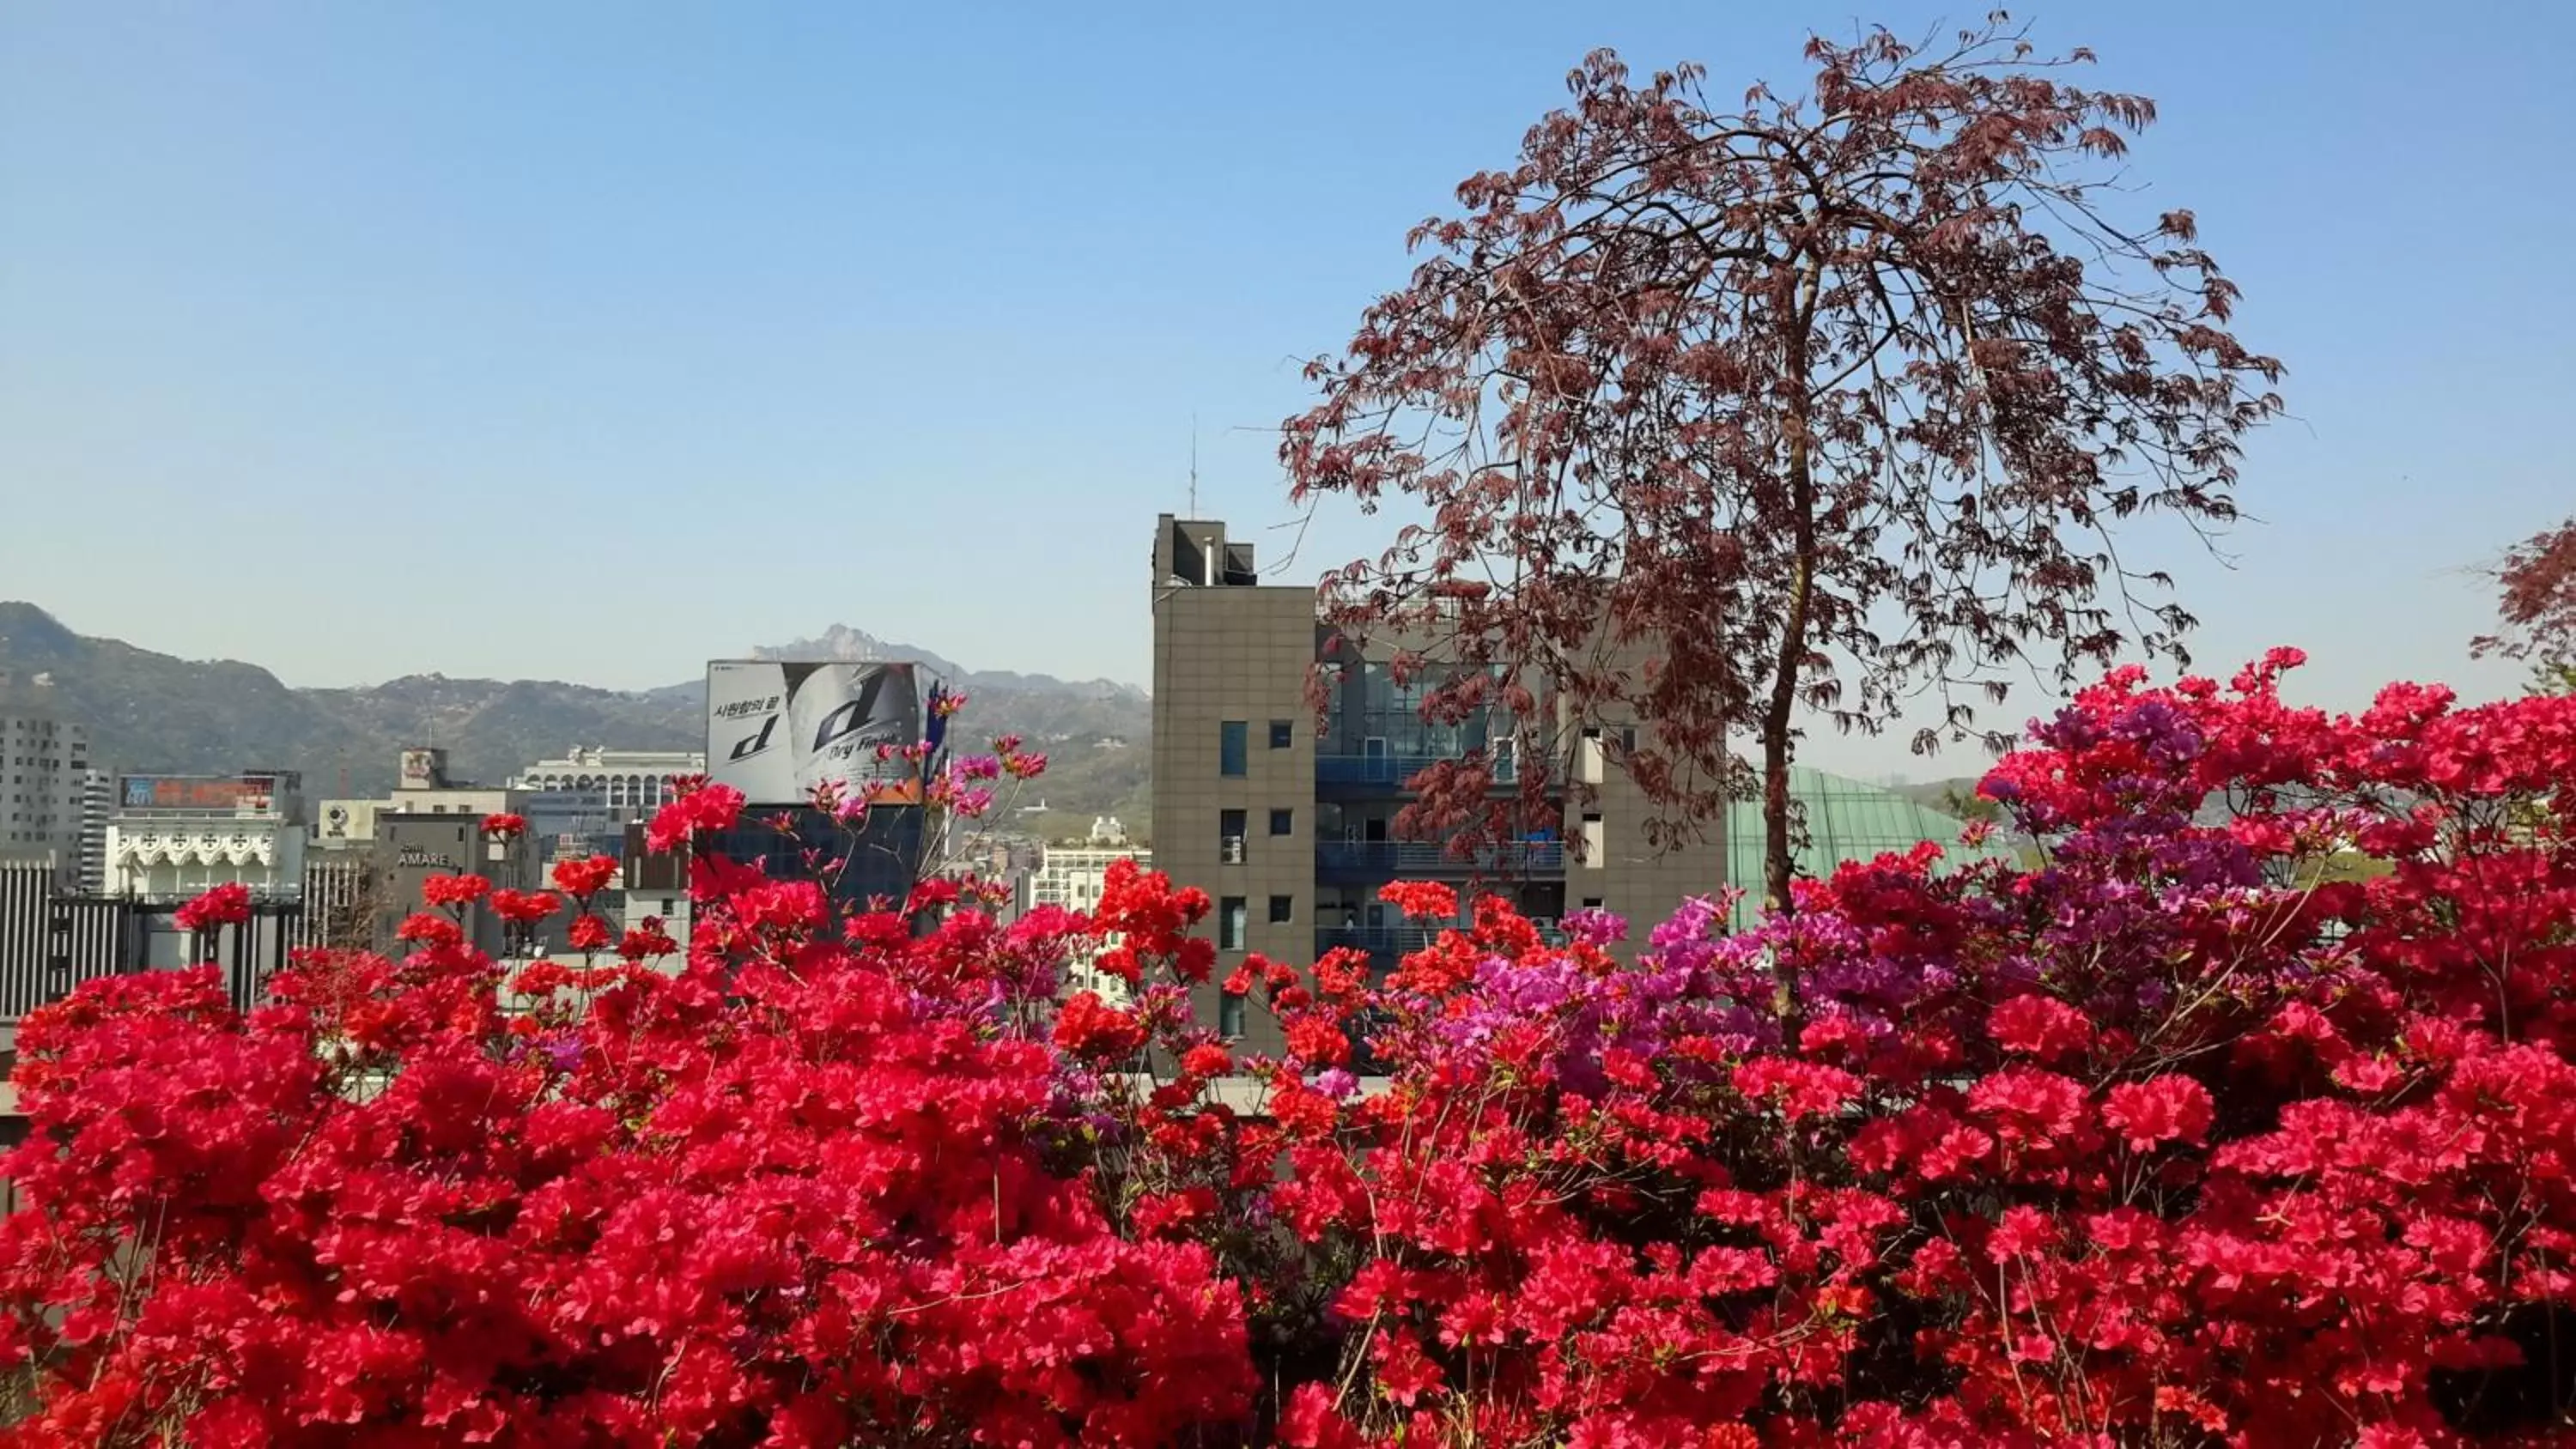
[1845, 821]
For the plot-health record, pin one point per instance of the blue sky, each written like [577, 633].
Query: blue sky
[589, 340]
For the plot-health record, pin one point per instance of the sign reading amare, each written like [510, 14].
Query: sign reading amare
[775, 731]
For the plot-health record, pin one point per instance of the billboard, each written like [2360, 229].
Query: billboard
[256, 793]
[777, 730]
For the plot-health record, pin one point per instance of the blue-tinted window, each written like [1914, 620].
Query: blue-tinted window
[879, 861]
[1283, 822]
[1229, 1016]
[1232, 915]
[1233, 747]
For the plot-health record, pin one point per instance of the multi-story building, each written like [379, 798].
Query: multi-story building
[872, 863]
[339, 900]
[1071, 876]
[654, 890]
[98, 808]
[580, 804]
[421, 787]
[52, 938]
[638, 780]
[44, 774]
[1290, 824]
[411, 847]
[177, 836]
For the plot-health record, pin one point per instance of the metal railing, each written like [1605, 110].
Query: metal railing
[1390, 771]
[1392, 858]
[1392, 941]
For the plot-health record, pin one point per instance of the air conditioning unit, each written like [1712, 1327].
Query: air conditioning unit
[1230, 850]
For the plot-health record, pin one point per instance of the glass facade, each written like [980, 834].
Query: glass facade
[1844, 820]
[1374, 714]
[881, 861]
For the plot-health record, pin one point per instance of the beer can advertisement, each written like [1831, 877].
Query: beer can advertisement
[776, 731]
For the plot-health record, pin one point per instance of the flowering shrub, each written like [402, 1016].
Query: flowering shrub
[2247, 1125]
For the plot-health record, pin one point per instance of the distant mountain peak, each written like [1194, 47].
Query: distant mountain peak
[840, 642]
[32, 630]
[149, 712]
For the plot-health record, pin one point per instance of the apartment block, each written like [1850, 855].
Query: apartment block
[1072, 878]
[1288, 820]
[46, 804]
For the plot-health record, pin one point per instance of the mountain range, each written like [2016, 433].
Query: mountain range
[148, 711]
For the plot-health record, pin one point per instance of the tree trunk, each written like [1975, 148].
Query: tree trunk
[1777, 865]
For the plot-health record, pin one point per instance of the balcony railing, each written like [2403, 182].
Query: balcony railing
[1390, 771]
[1393, 941]
[1395, 858]
[1376, 940]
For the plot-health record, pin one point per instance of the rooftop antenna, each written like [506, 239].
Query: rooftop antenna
[1194, 465]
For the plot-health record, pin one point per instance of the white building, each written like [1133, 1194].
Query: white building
[177, 836]
[1072, 876]
[618, 779]
[98, 807]
[44, 774]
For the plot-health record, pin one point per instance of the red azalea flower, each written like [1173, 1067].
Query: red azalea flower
[582, 879]
[1421, 900]
[226, 904]
[1090, 1027]
[524, 907]
[505, 827]
[425, 929]
[454, 890]
[589, 933]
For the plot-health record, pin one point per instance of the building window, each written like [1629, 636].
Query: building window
[1592, 903]
[1281, 732]
[1229, 1016]
[1283, 822]
[1283, 909]
[1231, 919]
[1230, 827]
[1231, 749]
[1593, 848]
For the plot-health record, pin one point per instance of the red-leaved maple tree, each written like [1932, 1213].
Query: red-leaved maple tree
[2536, 601]
[1825, 401]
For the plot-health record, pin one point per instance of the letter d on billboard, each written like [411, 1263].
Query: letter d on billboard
[776, 730]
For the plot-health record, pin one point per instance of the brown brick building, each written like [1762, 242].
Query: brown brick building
[1288, 823]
